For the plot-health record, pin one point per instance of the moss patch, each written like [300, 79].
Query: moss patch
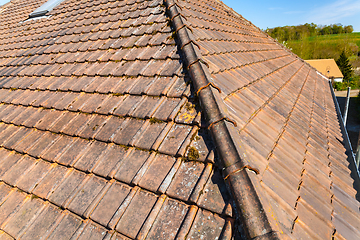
[193, 154]
[155, 120]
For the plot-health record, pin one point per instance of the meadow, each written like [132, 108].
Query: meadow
[328, 46]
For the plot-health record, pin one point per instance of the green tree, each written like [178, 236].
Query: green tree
[344, 65]
[348, 29]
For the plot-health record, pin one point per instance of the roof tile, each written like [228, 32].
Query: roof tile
[110, 203]
[89, 158]
[184, 181]
[67, 227]
[136, 213]
[169, 220]
[174, 139]
[93, 126]
[205, 226]
[45, 221]
[16, 225]
[92, 231]
[16, 138]
[215, 196]
[42, 144]
[82, 203]
[156, 173]
[29, 181]
[12, 203]
[22, 167]
[76, 125]
[106, 133]
[51, 181]
[131, 165]
[68, 187]
[128, 131]
[110, 160]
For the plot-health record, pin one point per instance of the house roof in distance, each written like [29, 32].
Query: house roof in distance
[126, 120]
[327, 67]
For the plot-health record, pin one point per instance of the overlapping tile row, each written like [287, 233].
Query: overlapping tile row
[86, 177]
[287, 125]
[71, 54]
[99, 132]
[78, 205]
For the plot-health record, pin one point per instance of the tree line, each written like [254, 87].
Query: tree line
[291, 33]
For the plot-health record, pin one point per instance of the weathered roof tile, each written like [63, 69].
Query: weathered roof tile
[100, 86]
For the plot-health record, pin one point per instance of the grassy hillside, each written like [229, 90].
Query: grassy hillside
[328, 46]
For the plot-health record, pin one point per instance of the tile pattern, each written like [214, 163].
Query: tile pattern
[96, 117]
[286, 124]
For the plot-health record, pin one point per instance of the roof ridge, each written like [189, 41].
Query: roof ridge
[247, 201]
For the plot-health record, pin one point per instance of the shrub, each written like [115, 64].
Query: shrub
[339, 86]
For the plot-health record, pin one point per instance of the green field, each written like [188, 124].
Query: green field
[328, 46]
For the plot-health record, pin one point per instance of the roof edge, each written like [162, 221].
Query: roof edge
[248, 204]
[349, 151]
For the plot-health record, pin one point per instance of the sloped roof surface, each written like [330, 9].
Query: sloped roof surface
[287, 128]
[95, 120]
[328, 67]
[101, 136]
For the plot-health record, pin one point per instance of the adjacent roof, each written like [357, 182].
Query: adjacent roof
[121, 120]
[328, 67]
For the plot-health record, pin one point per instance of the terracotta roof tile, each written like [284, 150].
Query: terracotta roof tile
[67, 227]
[100, 116]
[47, 219]
[136, 213]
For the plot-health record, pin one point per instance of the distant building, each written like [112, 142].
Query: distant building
[328, 67]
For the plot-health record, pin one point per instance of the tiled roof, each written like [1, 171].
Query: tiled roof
[121, 119]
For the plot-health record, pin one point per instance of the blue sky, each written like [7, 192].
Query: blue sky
[265, 13]
[3, 2]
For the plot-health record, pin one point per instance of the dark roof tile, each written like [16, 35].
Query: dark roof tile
[67, 188]
[11, 204]
[67, 227]
[46, 140]
[72, 153]
[183, 182]
[136, 213]
[46, 220]
[174, 139]
[129, 166]
[28, 212]
[86, 199]
[154, 176]
[89, 159]
[205, 226]
[34, 176]
[169, 219]
[116, 195]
